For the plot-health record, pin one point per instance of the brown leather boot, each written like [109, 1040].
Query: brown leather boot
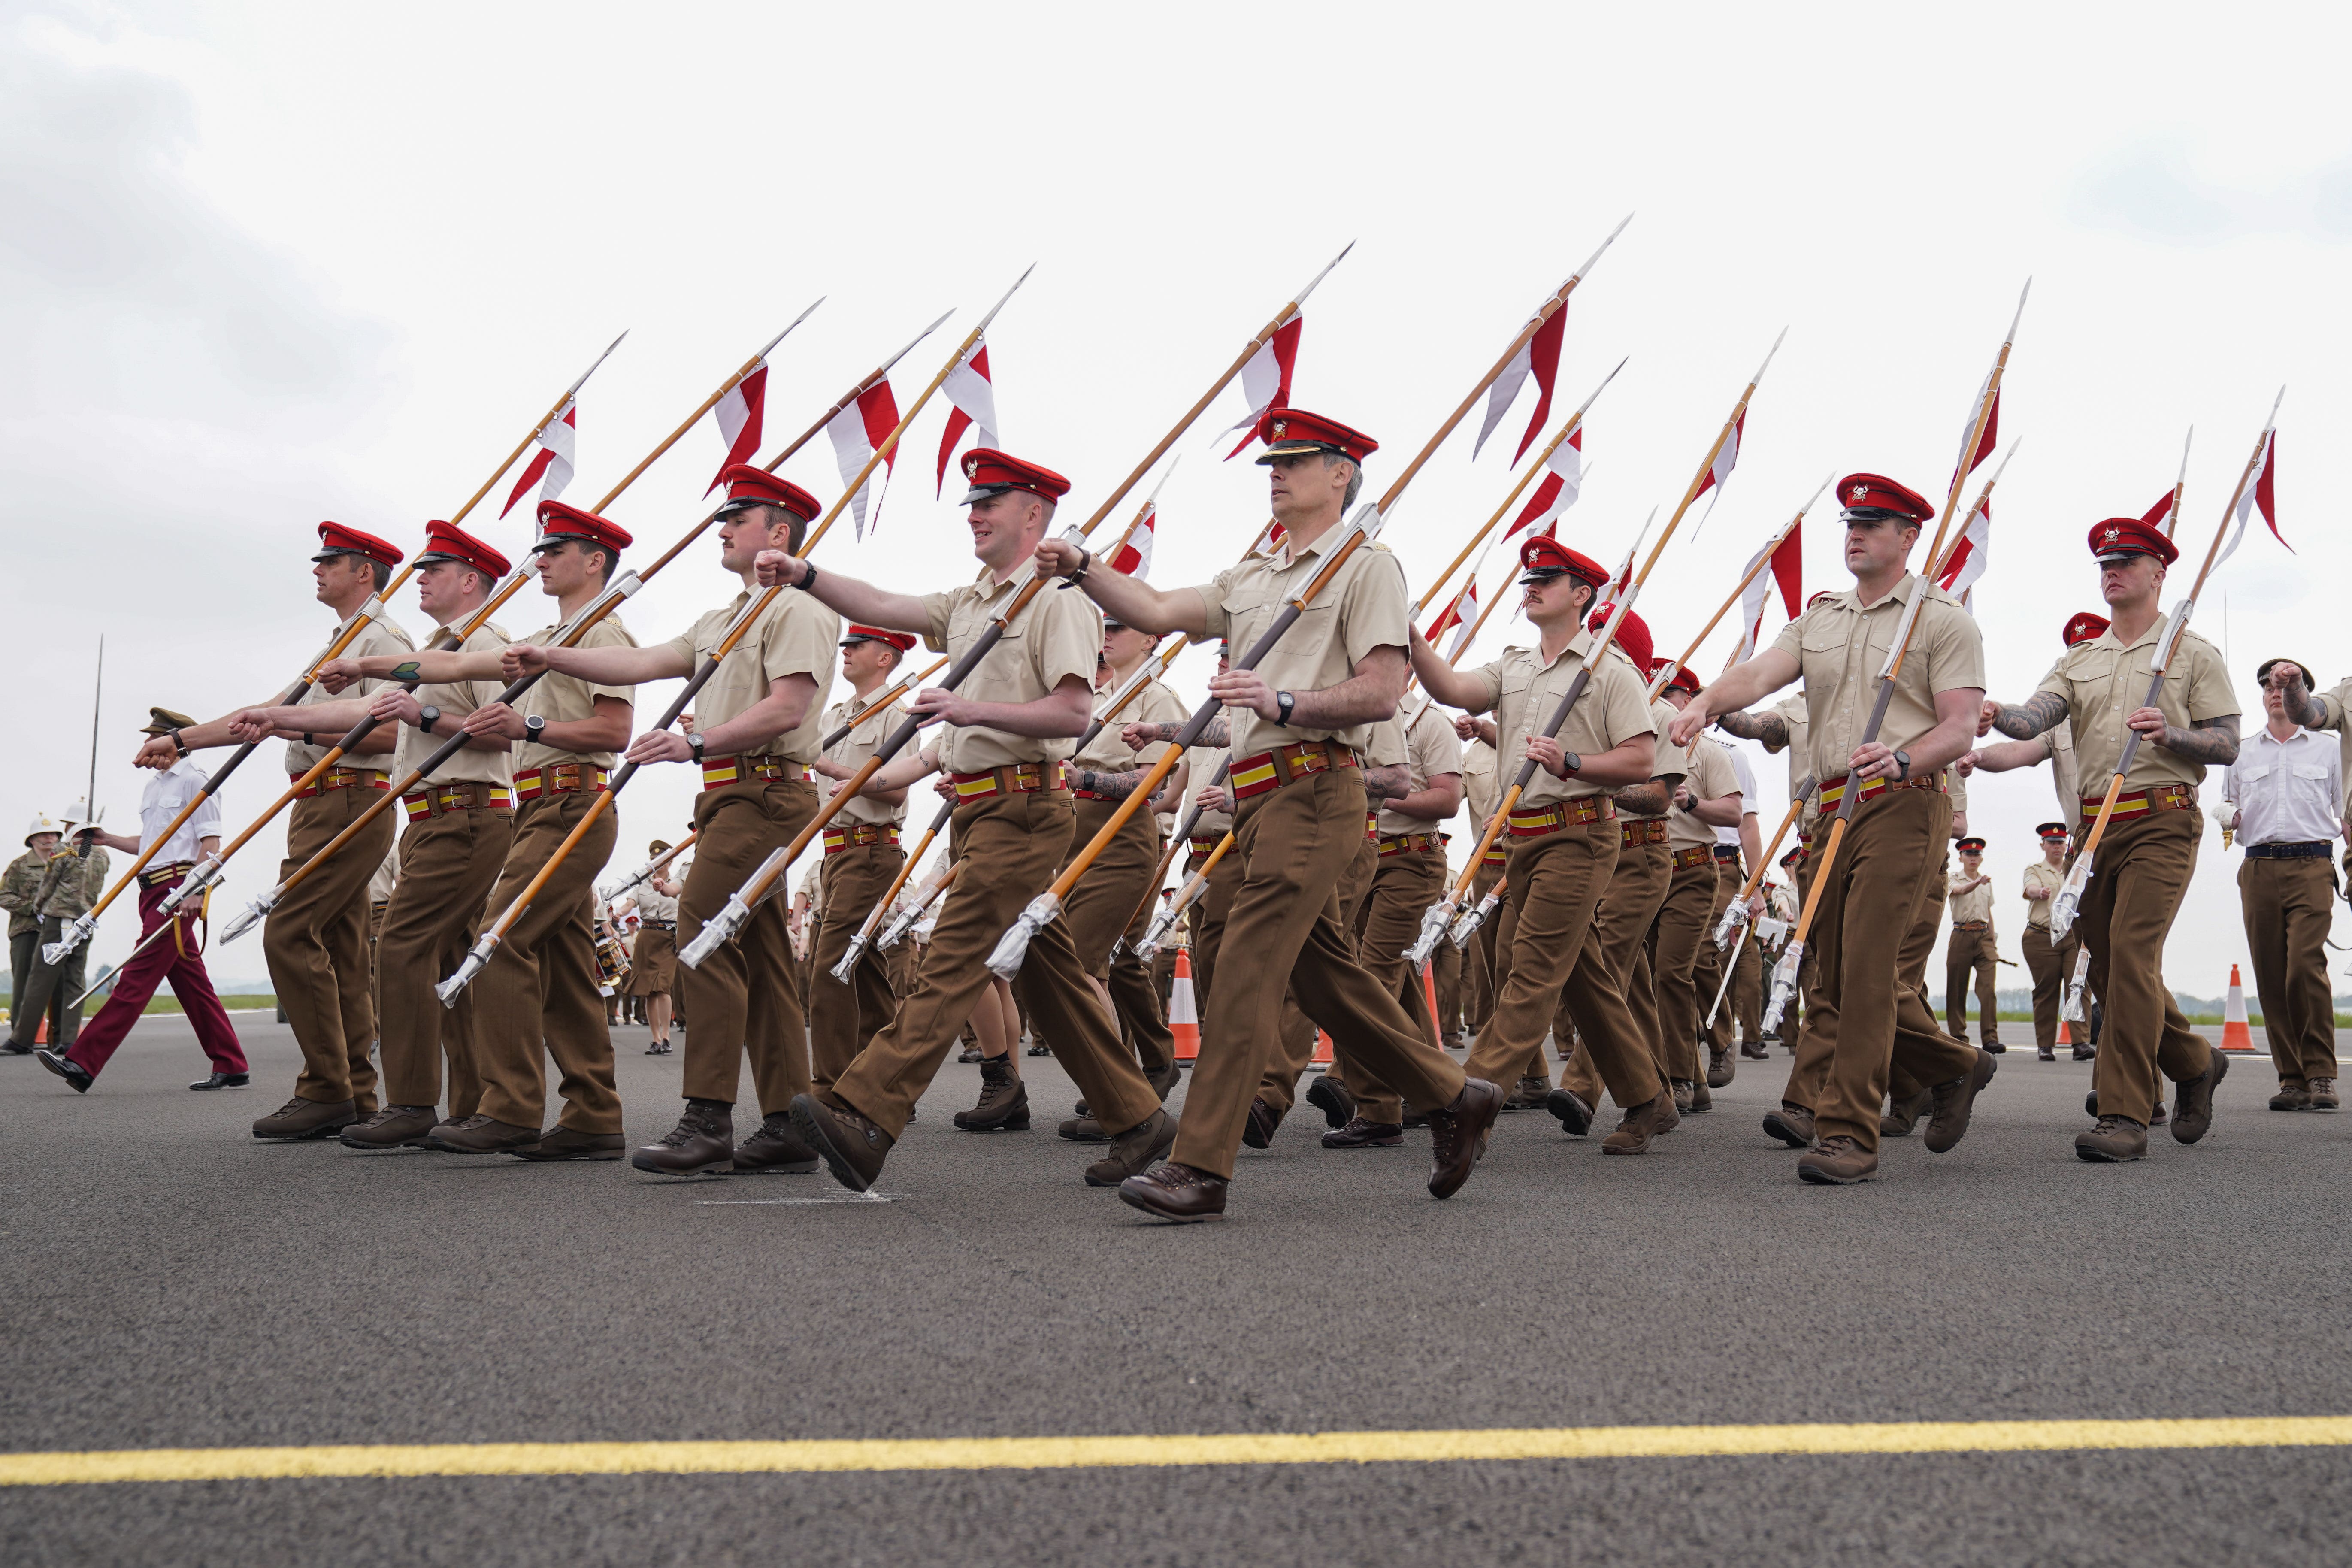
[1333, 1098]
[1133, 1152]
[1903, 1115]
[1683, 1091]
[481, 1135]
[1457, 1133]
[1003, 1100]
[1643, 1122]
[1720, 1067]
[2323, 1095]
[564, 1143]
[703, 1141]
[299, 1120]
[1792, 1125]
[774, 1149]
[2114, 1141]
[2294, 1094]
[1838, 1160]
[1175, 1193]
[852, 1147]
[1702, 1097]
[1083, 1129]
[391, 1127]
[1575, 1116]
[2192, 1102]
[1362, 1134]
[1953, 1102]
[1263, 1119]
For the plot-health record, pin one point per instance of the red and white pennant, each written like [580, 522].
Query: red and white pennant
[1539, 357]
[972, 391]
[558, 451]
[856, 431]
[1561, 485]
[1265, 380]
[739, 412]
[1788, 565]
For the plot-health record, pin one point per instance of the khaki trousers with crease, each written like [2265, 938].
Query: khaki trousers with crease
[1970, 954]
[2287, 906]
[1628, 911]
[2051, 965]
[448, 864]
[745, 998]
[843, 1017]
[315, 944]
[1404, 885]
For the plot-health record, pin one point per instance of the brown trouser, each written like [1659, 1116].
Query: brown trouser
[2141, 870]
[1446, 962]
[1707, 973]
[315, 944]
[1549, 949]
[843, 1017]
[1295, 1052]
[1622, 925]
[540, 987]
[447, 866]
[1746, 1002]
[745, 998]
[1114, 889]
[1284, 927]
[1965, 953]
[1010, 848]
[2050, 965]
[1479, 957]
[1404, 885]
[2287, 906]
[1674, 942]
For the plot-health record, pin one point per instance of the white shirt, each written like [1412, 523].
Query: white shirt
[2288, 792]
[167, 794]
[1747, 777]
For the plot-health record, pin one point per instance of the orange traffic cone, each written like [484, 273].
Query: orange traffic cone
[1322, 1057]
[1183, 1020]
[2065, 1039]
[2235, 1035]
[1429, 993]
[41, 1035]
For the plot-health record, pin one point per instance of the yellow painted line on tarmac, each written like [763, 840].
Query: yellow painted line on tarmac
[818, 1457]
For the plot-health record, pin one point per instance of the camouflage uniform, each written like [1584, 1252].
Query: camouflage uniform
[65, 891]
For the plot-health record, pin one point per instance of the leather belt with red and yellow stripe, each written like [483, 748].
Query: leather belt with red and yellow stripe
[343, 778]
[1697, 854]
[1256, 775]
[1371, 827]
[1640, 831]
[1025, 778]
[1577, 812]
[1833, 790]
[858, 836]
[465, 795]
[1409, 842]
[2140, 802]
[561, 778]
[717, 772]
[1971, 925]
[1496, 856]
[159, 876]
[1204, 844]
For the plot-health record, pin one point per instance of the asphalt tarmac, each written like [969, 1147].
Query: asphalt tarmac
[170, 1282]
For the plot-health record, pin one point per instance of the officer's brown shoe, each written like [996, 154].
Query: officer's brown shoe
[1529, 1093]
[2115, 1140]
[1333, 1097]
[1953, 1103]
[2192, 1101]
[2292, 1094]
[1362, 1134]
[1164, 1082]
[1003, 1100]
[393, 1127]
[1575, 1116]
[564, 1143]
[1720, 1067]
[1175, 1193]
[1682, 1091]
[2085, 1052]
[1133, 1152]
[1083, 1129]
[300, 1119]
[2045, 1053]
[1838, 1160]
[1903, 1115]
[2323, 1095]
[853, 1148]
[774, 1149]
[1644, 1122]
[1792, 1125]
[1754, 1051]
[703, 1142]
[1457, 1135]
[1258, 1130]
[481, 1135]
[1994, 1046]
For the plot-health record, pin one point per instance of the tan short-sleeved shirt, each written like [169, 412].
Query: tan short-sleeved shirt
[794, 636]
[2102, 680]
[655, 906]
[1672, 763]
[456, 700]
[1523, 693]
[1057, 636]
[2048, 879]
[1791, 710]
[1841, 647]
[1480, 789]
[1430, 748]
[1202, 762]
[1362, 607]
[382, 635]
[1708, 772]
[2065, 772]
[1976, 904]
[567, 698]
[1107, 753]
[851, 752]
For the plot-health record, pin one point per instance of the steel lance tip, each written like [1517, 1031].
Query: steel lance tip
[72, 937]
[1472, 919]
[252, 917]
[1435, 920]
[1784, 985]
[1157, 932]
[1012, 947]
[203, 875]
[841, 971]
[2069, 900]
[476, 959]
[897, 929]
[721, 928]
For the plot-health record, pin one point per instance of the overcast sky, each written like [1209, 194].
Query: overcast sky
[261, 266]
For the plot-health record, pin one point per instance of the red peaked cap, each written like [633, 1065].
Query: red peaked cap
[992, 473]
[2120, 536]
[1289, 431]
[902, 641]
[557, 523]
[2050, 830]
[1543, 557]
[447, 541]
[748, 484]
[1633, 634]
[334, 539]
[1858, 492]
[1684, 677]
[2083, 627]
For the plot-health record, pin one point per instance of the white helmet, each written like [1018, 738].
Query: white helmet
[43, 823]
[78, 819]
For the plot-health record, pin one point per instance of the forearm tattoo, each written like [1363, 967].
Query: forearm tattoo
[2301, 706]
[1216, 733]
[2041, 712]
[1769, 728]
[1391, 783]
[2214, 742]
[1110, 786]
[1644, 799]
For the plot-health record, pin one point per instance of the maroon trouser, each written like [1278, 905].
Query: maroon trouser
[174, 958]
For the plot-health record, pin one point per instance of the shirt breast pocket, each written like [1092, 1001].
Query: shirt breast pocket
[2314, 785]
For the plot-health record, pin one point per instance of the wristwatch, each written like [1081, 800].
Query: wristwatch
[1902, 761]
[426, 717]
[1282, 703]
[694, 743]
[1571, 763]
[534, 729]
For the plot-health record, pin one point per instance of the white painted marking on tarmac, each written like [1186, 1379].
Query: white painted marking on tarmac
[823, 1198]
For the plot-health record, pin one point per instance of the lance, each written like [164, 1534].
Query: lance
[914, 917]
[729, 919]
[79, 931]
[865, 937]
[1984, 500]
[1165, 920]
[890, 694]
[481, 953]
[1439, 916]
[2063, 908]
[1763, 558]
[2179, 485]
[1176, 842]
[729, 384]
[1784, 973]
[1730, 964]
[1013, 948]
[871, 380]
[1737, 913]
[1145, 673]
[97, 701]
[2070, 1009]
[654, 865]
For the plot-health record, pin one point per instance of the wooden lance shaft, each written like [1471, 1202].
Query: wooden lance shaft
[1763, 559]
[873, 917]
[1174, 846]
[866, 385]
[1736, 912]
[897, 689]
[729, 384]
[914, 917]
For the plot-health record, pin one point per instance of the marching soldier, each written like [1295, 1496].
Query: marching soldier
[1740, 1020]
[20, 895]
[1708, 798]
[2144, 860]
[541, 986]
[1481, 791]
[1970, 949]
[1298, 724]
[316, 940]
[71, 880]
[652, 958]
[2051, 964]
[758, 725]
[1895, 839]
[862, 857]
[1010, 729]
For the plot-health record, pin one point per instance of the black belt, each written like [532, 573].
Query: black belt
[2317, 850]
[660, 925]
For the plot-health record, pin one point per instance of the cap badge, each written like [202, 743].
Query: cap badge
[1860, 491]
[2112, 535]
[971, 466]
[1281, 428]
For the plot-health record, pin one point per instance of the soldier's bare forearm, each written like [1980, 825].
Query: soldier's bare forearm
[1110, 786]
[1390, 783]
[1215, 733]
[2214, 742]
[1645, 799]
[2038, 713]
[1770, 729]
